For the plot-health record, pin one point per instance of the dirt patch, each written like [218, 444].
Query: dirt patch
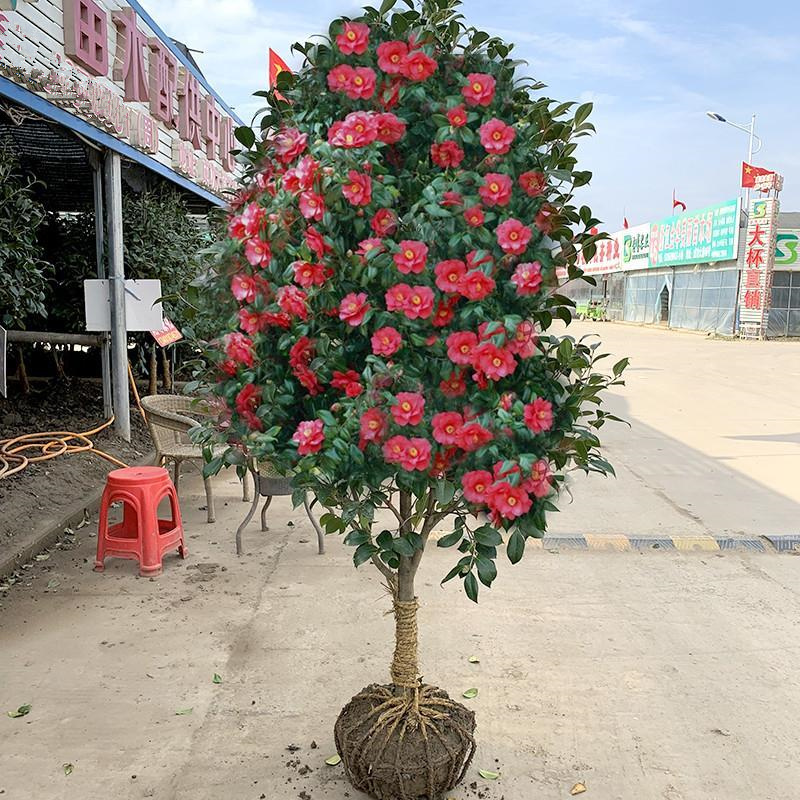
[46, 488]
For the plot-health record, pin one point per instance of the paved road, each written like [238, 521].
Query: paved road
[656, 676]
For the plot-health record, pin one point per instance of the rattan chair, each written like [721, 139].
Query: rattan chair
[169, 423]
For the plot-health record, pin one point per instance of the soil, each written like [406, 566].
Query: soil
[46, 488]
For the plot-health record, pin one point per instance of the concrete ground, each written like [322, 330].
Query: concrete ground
[650, 675]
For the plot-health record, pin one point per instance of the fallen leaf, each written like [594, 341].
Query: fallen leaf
[42, 557]
[183, 711]
[578, 788]
[20, 712]
[474, 660]
[721, 731]
[53, 583]
[488, 774]
[470, 693]
[333, 760]
[68, 768]
[217, 678]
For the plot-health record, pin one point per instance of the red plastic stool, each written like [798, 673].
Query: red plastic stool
[141, 534]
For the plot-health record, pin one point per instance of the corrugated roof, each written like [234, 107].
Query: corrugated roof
[789, 219]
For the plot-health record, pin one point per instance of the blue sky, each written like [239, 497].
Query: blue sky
[652, 69]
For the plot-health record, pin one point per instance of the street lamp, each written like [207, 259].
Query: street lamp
[749, 129]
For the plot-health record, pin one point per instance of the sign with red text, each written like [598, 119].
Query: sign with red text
[100, 61]
[169, 334]
[755, 290]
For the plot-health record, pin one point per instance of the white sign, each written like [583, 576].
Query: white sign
[143, 312]
[755, 291]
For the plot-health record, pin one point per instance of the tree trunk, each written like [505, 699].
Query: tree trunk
[60, 374]
[166, 370]
[153, 387]
[404, 664]
[22, 372]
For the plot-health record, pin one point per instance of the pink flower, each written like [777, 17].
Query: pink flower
[417, 66]
[239, 349]
[523, 342]
[494, 362]
[449, 275]
[475, 485]
[496, 189]
[452, 199]
[339, 77]
[461, 347]
[289, 143]
[253, 219]
[348, 382]
[251, 321]
[312, 205]
[244, 288]
[316, 242]
[508, 501]
[384, 222]
[473, 436]
[410, 454]
[479, 90]
[446, 426]
[513, 236]
[408, 408]
[474, 216]
[386, 341]
[538, 415]
[453, 386]
[391, 56]
[496, 136]
[411, 258]
[257, 252]
[475, 285]
[357, 129]
[533, 182]
[539, 482]
[373, 426]
[397, 297]
[420, 303]
[248, 400]
[308, 275]
[361, 85]
[444, 313]
[447, 154]
[391, 129]
[457, 116]
[358, 189]
[366, 246]
[353, 39]
[353, 308]
[293, 301]
[301, 176]
[309, 437]
[547, 219]
[476, 258]
[527, 277]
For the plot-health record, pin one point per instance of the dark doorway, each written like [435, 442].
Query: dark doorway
[664, 319]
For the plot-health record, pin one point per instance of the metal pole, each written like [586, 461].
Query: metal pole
[749, 159]
[99, 240]
[116, 277]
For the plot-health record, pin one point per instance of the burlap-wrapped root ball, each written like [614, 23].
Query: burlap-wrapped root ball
[405, 744]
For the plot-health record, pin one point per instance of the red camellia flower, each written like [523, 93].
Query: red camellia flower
[302, 175]
[357, 129]
[474, 216]
[293, 301]
[248, 399]
[353, 39]
[397, 297]
[538, 415]
[408, 408]
[339, 77]
[494, 362]
[523, 342]
[447, 154]
[547, 219]
[420, 303]
[362, 84]
[289, 143]
[452, 199]
[391, 56]
[443, 315]
[496, 189]
[457, 116]
[410, 454]
[251, 321]
[446, 427]
[366, 246]
[476, 258]
[239, 349]
[453, 386]
[309, 437]
[384, 223]
[527, 277]
[513, 236]
[358, 189]
[417, 66]
[479, 90]
[373, 426]
[386, 341]
[353, 308]
[348, 382]
[307, 275]
[391, 129]
[244, 288]
[533, 182]
[475, 285]
[508, 501]
[461, 347]
[473, 436]
[539, 482]
[475, 485]
[449, 275]
[257, 252]
[316, 242]
[496, 136]
[411, 258]
[312, 205]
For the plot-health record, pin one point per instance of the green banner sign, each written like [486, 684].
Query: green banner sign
[698, 237]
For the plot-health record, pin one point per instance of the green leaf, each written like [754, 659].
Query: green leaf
[487, 571]
[471, 587]
[183, 712]
[217, 678]
[488, 775]
[470, 693]
[245, 135]
[515, 547]
[332, 761]
[356, 538]
[403, 547]
[364, 553]
[22, 711]
[487, 535]
[450, 539]
[445, 491]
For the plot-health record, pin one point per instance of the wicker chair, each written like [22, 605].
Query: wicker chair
[169, 424]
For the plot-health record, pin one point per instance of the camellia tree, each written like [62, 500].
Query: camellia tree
[393, 262]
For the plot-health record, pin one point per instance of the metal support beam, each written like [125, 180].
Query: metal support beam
[116, 277]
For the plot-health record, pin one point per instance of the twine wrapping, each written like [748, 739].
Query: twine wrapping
[404, 663]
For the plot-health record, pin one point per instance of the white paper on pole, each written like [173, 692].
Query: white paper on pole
[142, 311]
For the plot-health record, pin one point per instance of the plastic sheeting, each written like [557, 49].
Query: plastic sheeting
[784, 315]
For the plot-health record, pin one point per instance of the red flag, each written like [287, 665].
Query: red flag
[276, 66]
[625, 223]
[750, 173]
[677, 203]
